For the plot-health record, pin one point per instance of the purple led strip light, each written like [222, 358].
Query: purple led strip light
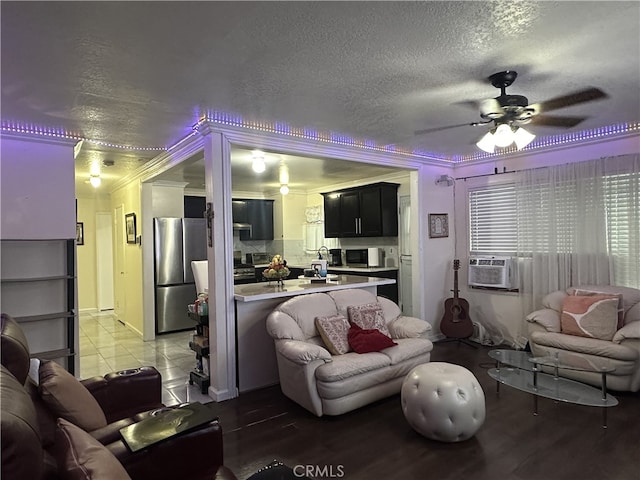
[281, 128]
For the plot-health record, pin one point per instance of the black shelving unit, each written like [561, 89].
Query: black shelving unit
[200, 344]
[38, 289]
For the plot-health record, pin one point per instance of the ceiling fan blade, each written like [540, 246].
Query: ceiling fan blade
[490, 108]
[581, 96]
[556, 121]
[472, 104]
[447, 127]
[437, 129]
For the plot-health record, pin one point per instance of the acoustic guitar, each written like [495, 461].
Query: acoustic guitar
[456, 322]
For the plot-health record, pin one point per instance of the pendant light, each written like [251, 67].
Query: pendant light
[258, 164]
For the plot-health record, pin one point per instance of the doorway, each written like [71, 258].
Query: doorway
[104, 261]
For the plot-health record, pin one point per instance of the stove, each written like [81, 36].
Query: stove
[244, 273]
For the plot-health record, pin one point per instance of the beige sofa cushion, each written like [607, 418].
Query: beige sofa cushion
[350, 365]
[629, 331]
[407, 348]
[547, 317]
[346, 298]
[407, 327]
[305, 308]
[554, 300]
[590, 346]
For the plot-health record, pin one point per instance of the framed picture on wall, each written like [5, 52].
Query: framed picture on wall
[438, 225]
[79, 233]
[130, 227]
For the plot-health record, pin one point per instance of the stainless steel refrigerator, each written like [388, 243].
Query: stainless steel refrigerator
[177, 241]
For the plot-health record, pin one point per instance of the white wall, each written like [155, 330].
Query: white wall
[38, 189]
[433, 278]
[168, 199]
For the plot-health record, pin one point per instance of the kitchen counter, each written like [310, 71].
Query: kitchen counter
[343, 269]
[264, 291]
[346, 269]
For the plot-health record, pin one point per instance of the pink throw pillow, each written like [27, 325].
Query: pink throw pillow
[594, 316]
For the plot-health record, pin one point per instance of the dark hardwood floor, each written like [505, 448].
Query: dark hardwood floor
[564, 442]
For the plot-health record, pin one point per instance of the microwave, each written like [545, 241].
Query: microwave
[364, 257]
[356, 257]
[258, 258]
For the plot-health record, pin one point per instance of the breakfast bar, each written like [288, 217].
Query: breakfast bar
[256, 356]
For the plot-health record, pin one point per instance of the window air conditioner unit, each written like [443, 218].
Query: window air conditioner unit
[496, 272]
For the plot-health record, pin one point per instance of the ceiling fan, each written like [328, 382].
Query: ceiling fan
[513, 111]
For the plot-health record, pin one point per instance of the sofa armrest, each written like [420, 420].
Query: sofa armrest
[281, 326]
[127, 392]
[549, 319]
[302, 353]
[196, 453]
[630, 330]
[407, 327]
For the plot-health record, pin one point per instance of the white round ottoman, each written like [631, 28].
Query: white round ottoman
[443, 401]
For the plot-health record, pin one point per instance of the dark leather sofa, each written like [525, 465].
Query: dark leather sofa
[30, 448]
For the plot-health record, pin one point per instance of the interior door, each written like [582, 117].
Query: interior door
[406, 280]
[104, 245]
[119, 303]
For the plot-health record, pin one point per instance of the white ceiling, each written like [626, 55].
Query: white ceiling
[142, 73]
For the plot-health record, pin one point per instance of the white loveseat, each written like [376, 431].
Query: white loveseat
[327, 384]
[622, 352]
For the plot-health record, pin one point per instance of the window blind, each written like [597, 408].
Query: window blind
[493, 220]
[622, 194]
[494, 227]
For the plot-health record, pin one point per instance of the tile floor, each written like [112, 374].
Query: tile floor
[106, 345]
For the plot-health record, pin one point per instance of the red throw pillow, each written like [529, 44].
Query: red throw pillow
[365, 341]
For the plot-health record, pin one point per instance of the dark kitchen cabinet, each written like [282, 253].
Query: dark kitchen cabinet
[239, 211]
[369, 211]
[332, 226]
[258, 214]
[194, 207]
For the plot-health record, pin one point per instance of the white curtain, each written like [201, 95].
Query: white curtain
[566, 222]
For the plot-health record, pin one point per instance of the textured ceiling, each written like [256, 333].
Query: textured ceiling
[143, 73]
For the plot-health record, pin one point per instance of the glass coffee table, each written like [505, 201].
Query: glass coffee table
[521, 370]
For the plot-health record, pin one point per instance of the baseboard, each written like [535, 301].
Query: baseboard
[88, 310]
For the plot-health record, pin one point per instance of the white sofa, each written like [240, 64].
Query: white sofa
[327, 384]
[622, 352]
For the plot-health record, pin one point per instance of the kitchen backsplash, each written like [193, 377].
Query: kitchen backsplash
[295, 254]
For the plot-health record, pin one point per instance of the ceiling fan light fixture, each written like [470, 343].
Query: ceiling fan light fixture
[522, 138]
[503, 136]
[487, 142]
